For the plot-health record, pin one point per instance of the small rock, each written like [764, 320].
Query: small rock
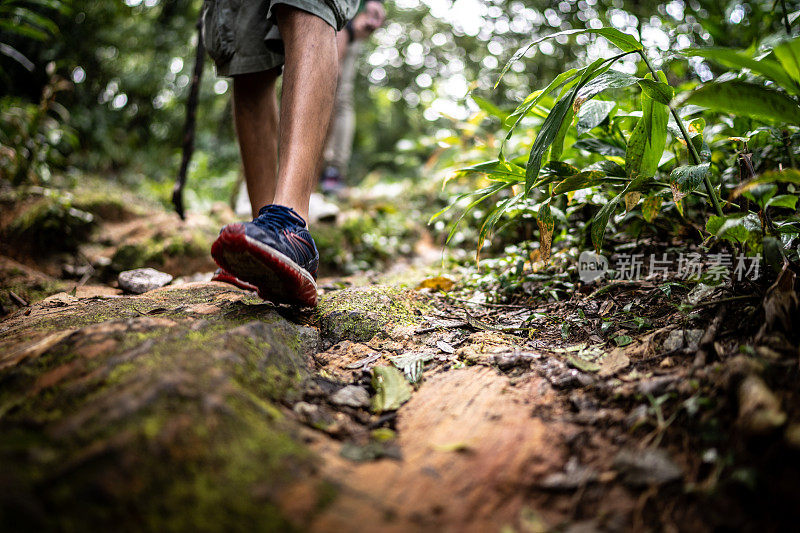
[574, 476]
[642, 468]
[506, 360]
[445, 347]
[637, 416]
[351, 396]
[657, 386]
[683, 338]
[142, 280]
[699, 293]
[312, 414]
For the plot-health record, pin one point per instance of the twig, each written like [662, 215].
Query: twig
[17, 299]
[191, 120]
[708, 339]
[730, 299]
[604, 289]
[486, 304]
[786, 18]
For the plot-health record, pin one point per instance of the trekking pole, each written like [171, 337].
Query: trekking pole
[191, 121]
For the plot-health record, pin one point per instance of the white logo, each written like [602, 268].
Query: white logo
[592, 266]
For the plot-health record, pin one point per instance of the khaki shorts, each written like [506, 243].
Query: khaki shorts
[241, 36]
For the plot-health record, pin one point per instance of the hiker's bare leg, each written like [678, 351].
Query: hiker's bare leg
[309, 86]
[255, 111]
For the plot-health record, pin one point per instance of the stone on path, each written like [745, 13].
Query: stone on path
[142, 280]
[351, 396]
[642, 468]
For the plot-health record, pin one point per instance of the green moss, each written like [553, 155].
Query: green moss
[197, 245]
[31, 291]
[108, 206]
[50, 225]
[157, 251]
[172, 429]
[359, 313]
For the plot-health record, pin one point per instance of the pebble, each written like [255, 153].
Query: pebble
[351, 396]
[142, 280]
[642, 468]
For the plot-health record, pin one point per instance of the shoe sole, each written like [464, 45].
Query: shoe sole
[276, 276]
[233, 280]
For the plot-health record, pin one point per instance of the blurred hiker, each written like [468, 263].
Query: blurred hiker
[252, 42]
[343, 125]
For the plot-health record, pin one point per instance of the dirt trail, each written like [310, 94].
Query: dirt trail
[469, 456]
[199, 406]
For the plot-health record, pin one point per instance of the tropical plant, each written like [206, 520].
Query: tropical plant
[23, 19]
[34, 138]
[616, 155]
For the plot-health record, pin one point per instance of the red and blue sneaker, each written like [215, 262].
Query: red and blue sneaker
[275, 253]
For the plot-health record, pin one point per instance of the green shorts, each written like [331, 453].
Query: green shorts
[241, 36]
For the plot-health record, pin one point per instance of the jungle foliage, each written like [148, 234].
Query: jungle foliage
[633, 140]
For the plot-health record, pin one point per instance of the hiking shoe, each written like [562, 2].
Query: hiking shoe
[331, 181]
[274, 252]
[224, 276]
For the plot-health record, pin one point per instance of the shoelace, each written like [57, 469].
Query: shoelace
[276, 217]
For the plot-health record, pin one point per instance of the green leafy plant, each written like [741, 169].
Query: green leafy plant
[655, 155]
[35, 137]
[23, 19]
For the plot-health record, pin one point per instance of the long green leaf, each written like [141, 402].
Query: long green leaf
[730, 58]
[788, 201]
[788, 55]
[600, 221]
[623, 41]
[611, 79]
[545, 137]
[592, 114]
[558, 144]
[659, 91]
[554, 121]
[579, 181]
[742, 98]
[524, 108]
[647, 141]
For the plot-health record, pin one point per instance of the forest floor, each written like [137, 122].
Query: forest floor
[405, 402]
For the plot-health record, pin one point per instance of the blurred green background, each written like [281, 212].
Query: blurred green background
[127, 66]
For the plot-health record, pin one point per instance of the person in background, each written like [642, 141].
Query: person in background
[339, 145]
